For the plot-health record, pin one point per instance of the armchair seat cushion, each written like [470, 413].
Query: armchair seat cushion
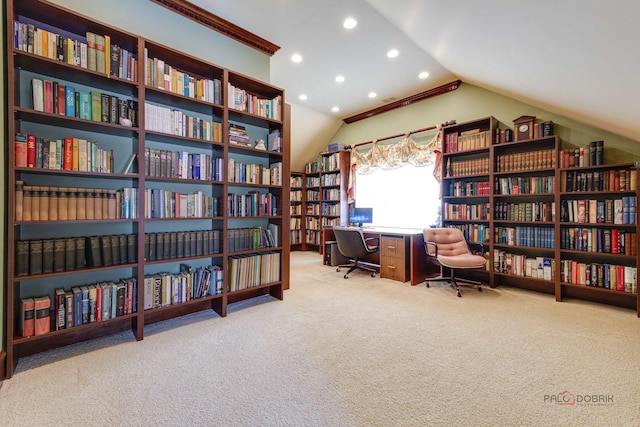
[462, 261]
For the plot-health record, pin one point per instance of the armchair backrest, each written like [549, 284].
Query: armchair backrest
[450, 241]
[350, 241]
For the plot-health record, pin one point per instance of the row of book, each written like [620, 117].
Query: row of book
[331, 194]
[592, 211]
[295, 223]
[255, 173]
[252, 204]
[246, 271]
[313, 196]
[525, 185]
[242, 100]
[538, 237]
[175, 122]
[466, 211]
[295, 236]
[295, 181]
[455, 168]
[53, 97]
[92, 51]
[313, 209]
[603, 240]
[313, 181]
[331, 209]
[171, 204]
[330, 163]
[620, 278]
[181, 244]
[526, 161]
[244, 239]
[42, 203]
[52, 255]
[468, 140]
[479, 233]
[295, 196]
[469, 188]
[603, 180]
[74, 154]
[525, 211]
[182, 164]
[160, 75]
[523, 265]
[164, 289]
[312, 237]
[591, 154]
[330, 179]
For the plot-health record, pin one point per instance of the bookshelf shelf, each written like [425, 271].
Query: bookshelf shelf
[200, 105]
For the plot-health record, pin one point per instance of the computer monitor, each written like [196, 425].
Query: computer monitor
[360, 216]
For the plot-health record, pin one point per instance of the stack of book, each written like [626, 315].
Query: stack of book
[238, 135]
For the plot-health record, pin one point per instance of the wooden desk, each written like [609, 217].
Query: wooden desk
[401, 257]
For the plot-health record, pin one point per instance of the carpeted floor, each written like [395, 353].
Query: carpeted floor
[355, 352]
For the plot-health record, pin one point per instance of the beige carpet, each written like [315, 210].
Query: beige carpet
[355, 352]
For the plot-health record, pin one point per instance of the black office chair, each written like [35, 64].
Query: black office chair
[352, 244]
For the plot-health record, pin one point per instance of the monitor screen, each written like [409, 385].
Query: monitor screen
[360, 216]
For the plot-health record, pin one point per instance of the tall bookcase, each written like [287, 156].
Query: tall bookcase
[152, 201]
[312, 204]
[298, 211]
[564, 228]
[333, 183]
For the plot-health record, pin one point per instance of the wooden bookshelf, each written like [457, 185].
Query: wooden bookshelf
[298, 211]
[177, 190]
[516, 198]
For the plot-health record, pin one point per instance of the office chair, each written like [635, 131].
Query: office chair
[447, 248]
[352, 244]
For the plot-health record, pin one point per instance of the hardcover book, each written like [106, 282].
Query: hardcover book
[27, 317]
[42, 315]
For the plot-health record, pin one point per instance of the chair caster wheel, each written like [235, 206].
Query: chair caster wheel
[459, 294]
[373, 274]
[346, 276]
[338, 269]
[428, 285]
[479, 289]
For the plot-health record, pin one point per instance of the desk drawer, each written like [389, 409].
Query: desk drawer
[392, 247]
[394, 268]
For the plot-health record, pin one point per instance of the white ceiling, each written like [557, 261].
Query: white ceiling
[578, 58]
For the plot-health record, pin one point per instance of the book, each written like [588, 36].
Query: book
[42, 315]
[37, 92]
[68, 297]
[35, 257]
[60, 309]
[27, 317]
[47, 255]
[20, 149]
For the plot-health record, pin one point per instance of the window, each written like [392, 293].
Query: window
[404, 197]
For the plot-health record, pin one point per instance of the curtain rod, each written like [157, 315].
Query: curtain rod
[349, 147]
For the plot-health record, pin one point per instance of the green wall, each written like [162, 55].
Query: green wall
[146, 19]
[471, 102]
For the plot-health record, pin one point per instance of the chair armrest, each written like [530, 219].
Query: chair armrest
[475, 247]
[377, 241]
[435, 249]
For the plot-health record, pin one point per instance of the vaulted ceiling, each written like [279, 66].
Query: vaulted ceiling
[578, 58]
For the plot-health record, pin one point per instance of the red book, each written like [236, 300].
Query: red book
[27, 319]
[20, 149]
[98, 303]
[48, 96]
[62, 98]
[615, 241]
[620, 271]
[43, 319]
[68, 154]
[31, 151]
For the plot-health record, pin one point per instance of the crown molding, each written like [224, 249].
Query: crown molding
[208, 19]
[440, 90]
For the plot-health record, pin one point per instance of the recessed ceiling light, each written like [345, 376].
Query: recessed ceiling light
[392, 53]
[296, 57]
[372, 94]
[302, 97]
[339, 79]
[335, 109]
[349, 23]
[423, 75]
